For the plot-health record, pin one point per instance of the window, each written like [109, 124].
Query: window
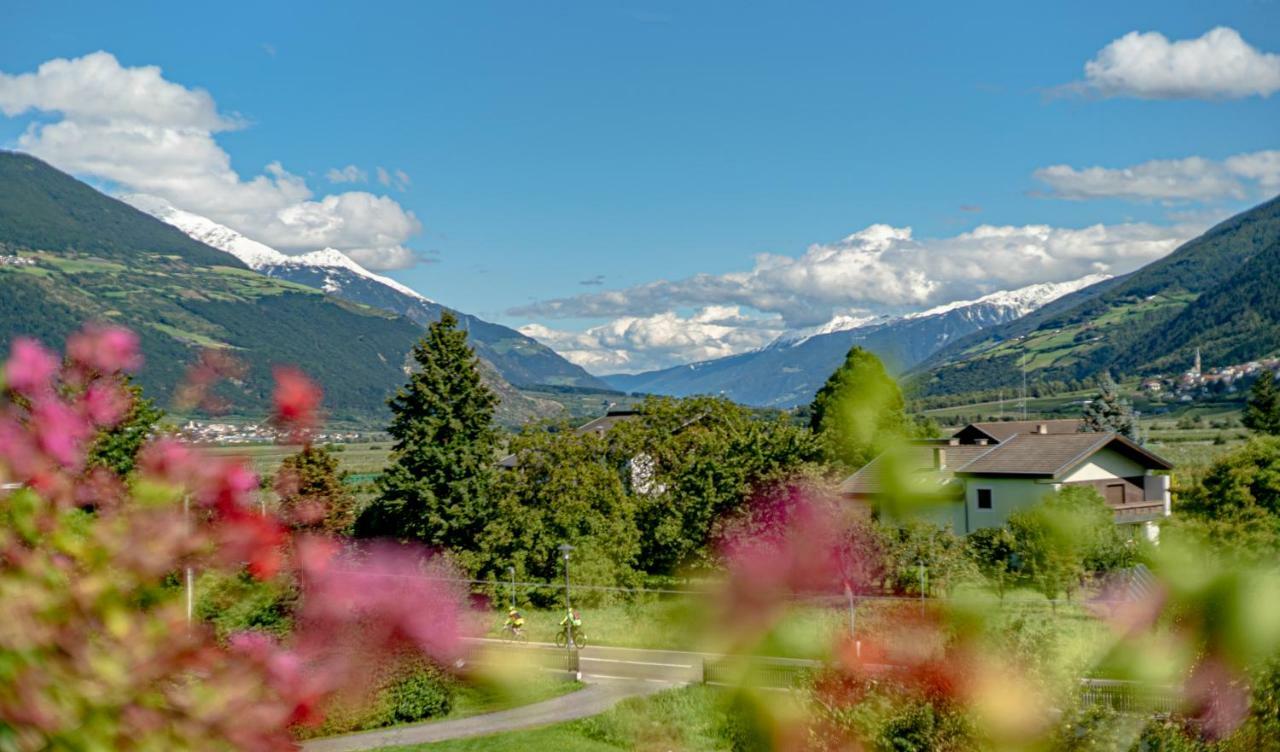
[984, 498]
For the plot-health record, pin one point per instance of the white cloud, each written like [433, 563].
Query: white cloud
[886, 269]
[642, 343]
[1218, 65]
[1169, 180]
[398, 179]
[348, 174]
[148, 135]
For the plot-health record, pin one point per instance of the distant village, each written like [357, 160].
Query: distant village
[204, 432]
[1196, 382]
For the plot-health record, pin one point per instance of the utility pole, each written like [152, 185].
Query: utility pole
[853, 619]
[189, 575]
[922, 586]
[1024, 384]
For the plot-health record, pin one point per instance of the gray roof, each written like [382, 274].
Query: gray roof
[1030, 455]
[1006, 429]
[1052, 455]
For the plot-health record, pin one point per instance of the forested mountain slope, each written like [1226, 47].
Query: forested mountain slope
[1215, 292]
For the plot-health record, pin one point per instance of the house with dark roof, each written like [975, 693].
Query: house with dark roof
[597, 427]
[987, 471]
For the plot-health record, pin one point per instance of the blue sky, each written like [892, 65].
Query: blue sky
[627, 144]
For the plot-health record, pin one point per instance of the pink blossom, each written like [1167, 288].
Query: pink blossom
[296, 400]
[61, 432]
[105, 349]
[106, 403]
[30, 368]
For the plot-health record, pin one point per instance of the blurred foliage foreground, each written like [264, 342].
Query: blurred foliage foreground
[97, 650]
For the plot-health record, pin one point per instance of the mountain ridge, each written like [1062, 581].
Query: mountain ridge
[788, 371]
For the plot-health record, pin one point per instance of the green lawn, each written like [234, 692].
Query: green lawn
[809, 630]
[358, 459]
[690, 718]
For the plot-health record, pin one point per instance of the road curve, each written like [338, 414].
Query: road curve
[595, 698]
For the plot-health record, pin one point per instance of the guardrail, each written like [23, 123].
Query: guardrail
[1129, 696]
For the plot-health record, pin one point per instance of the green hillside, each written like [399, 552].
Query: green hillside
[1218, 292]
[97, 259]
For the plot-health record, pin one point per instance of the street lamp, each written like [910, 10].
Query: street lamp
[512, 572]
[565, 548]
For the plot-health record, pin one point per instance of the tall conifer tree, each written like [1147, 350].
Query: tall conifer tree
[1262, 414]
[436, 489]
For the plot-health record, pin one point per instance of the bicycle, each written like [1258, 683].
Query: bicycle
[579, 638]
[512, 633]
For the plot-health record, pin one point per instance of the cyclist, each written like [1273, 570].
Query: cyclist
[515, 621]
[573, 622]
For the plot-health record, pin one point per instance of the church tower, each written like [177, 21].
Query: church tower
[1197, 368]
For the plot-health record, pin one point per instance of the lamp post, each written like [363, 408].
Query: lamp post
[512, 571]
[565, 548]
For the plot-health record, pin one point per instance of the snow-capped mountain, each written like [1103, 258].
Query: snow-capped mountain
[259, 256]
[788, 371]
[519, 359]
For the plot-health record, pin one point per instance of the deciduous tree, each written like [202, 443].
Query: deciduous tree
[858, 411]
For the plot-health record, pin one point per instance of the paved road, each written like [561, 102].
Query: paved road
[597, 697]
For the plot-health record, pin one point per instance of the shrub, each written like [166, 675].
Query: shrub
[420, 695]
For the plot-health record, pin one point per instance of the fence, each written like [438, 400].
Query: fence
[1128, 696]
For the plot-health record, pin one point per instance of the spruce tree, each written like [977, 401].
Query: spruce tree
[858, 411]
[1262, 414]
[1110, 412]
[435, 490]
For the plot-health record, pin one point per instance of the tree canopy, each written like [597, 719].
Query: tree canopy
[858, 411]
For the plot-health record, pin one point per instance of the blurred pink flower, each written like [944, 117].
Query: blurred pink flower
[296, 400]
[106, 402]
[61, 432]
[105, 349]
[30, 368]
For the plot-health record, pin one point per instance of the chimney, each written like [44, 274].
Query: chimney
[939, 458]
[953, 441]
[1042, 428]
[980, 442]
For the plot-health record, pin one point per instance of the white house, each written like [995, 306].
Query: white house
[987, 471]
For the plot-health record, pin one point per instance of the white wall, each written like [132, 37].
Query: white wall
[1008, 495]
[1105, 465]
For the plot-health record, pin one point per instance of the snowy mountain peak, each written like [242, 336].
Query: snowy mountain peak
[1021, 301]
[257, 256]
[1016, 303]
[253, 254]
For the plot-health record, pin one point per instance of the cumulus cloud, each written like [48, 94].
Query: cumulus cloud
[132, 127]
[641, 343]
[348, 174]
[1218, 65]
[887, 269]
[1169, 180]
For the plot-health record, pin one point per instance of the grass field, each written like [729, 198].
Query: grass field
[692, 719]
[808, 630]
[358, 459]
